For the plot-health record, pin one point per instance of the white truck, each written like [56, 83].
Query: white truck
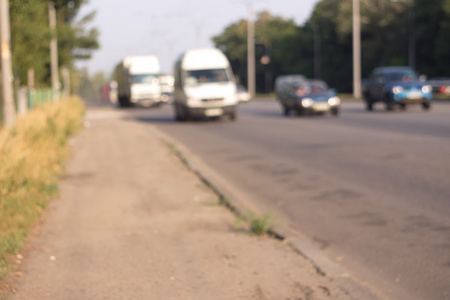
[204, 85]
[138, 81]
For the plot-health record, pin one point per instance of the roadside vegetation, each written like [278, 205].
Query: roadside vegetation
[284, 47]
[259, 225]
[31, 35]
[32, 155]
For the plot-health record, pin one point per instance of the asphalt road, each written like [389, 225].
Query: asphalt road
[370, 189]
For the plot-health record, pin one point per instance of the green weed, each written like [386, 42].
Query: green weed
[256, 224]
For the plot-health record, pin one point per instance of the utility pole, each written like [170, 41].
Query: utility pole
[53, 51]
[7, 79]
[250, 52]
[30, 82]
[356, 50]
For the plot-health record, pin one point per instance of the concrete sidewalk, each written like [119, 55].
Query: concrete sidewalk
[132, 222]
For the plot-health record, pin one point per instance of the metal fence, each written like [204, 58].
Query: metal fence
[38, 97]
[28, 99]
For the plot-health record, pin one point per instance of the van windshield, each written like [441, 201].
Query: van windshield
[206, 76]
[145, 78]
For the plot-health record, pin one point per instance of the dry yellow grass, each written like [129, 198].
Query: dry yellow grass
[32, 154]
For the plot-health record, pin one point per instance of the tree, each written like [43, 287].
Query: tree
[333, 20]
[432, 28]
[270, 31]
[75, 41]
[90, 86]
[442, 46]
[30, 37]
[385, 37]
[279, 39]
[233, 43]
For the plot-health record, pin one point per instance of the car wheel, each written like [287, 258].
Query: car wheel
[369, 101]
[123, 102]
[335, 112]
[389, 103]
[232, 116]
[426, 105]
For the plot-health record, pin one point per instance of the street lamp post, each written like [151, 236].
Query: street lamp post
[356, 50]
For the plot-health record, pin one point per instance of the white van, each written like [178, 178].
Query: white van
[204, 85]
[138, 82]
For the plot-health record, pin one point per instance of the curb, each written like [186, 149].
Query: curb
[235, 200]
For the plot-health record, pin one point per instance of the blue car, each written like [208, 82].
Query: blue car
[396, 86]
[305, 96]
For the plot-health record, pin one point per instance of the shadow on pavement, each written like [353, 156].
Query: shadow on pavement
[151, 119]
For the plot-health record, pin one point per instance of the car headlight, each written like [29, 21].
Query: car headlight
[397, 89]
[191, 101]
[427, 88]
[235, 98]
[334, 101]
[307, 102]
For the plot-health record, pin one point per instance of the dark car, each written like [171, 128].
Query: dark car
[396, 86]
[307, 96]
[440, 85]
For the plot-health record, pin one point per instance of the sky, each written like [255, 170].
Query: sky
[167, 28]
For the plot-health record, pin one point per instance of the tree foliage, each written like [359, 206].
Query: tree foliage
[31, 35]
[30, 38]
[233, 42]
[385, 26]
[271, 34]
